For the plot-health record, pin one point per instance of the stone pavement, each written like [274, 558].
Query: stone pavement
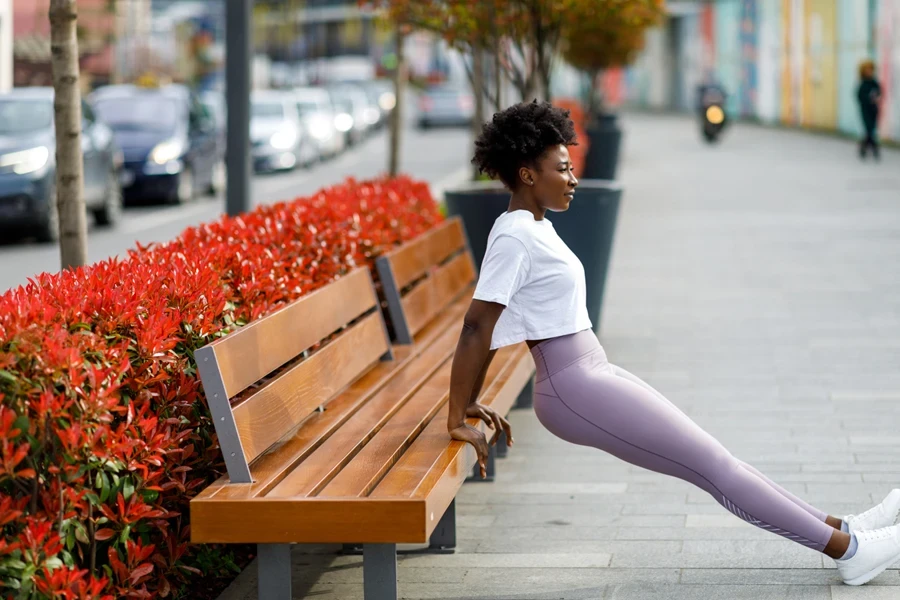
[757, 285]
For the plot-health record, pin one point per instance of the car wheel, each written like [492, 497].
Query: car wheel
[219, 179]
[111, 211]
[184, 187]
[48, 229]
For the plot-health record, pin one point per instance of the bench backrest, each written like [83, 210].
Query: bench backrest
[264, 379]
[422, 277]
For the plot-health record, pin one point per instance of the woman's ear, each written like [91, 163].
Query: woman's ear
[527, 176]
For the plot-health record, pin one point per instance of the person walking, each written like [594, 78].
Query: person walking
[532, 289]
[869, 96]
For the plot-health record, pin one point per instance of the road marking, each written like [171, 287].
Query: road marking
[167, 216]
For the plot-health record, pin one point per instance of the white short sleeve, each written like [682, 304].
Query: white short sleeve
[504, 270]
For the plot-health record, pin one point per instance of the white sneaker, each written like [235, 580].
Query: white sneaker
[878, 549]
[883, 515]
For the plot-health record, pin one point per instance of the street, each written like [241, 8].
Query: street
[432, 155]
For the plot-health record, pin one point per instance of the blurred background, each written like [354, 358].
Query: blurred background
[153, 81]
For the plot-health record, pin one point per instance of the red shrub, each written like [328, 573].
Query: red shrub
[105, 435]
[578, 116]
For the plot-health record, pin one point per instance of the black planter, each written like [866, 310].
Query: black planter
[605, 140]
[588, 227]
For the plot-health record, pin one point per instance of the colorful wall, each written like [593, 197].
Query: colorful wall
[791, 62]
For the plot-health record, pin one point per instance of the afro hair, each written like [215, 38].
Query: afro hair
[519, 136]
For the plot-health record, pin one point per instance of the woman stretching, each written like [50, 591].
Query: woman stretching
[532, 289]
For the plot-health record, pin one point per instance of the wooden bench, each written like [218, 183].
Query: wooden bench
[331, 434]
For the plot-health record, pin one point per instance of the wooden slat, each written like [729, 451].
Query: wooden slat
[314, 521]
[411, 260]
[407, 475]
[443, 466]
[250, 353]
[363, 473]
[279, 406]
[431, 296]
[322, 465]
[271, 468]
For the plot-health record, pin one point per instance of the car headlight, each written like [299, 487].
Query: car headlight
[387, 101]
[318, 128]
[165, 152]
[284, 140]
[26, 161]
[343, 122]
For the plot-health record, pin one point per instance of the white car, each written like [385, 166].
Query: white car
[318, 117]
[277, 137]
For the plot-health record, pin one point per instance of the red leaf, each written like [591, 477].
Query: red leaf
[141, 571]
[104, 534]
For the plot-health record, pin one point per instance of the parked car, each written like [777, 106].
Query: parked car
[446, 105]
[352, 104]
[172, 151]
[381, 96]
[28, 165]
[215, 106]
[317, 115]
[278, 142]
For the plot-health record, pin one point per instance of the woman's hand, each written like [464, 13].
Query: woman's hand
[467, 433]
[493, 420]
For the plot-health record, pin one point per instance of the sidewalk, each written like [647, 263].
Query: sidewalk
[755, 284]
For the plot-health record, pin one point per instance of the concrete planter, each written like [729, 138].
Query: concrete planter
[605, 138]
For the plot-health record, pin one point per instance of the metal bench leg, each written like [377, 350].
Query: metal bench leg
[444, 535]
[380, 571]
[502, 448]
[274, 571]
[526, 397]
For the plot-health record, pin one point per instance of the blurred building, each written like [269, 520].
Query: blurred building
[6, 45]
[790, 62]
[31, 41]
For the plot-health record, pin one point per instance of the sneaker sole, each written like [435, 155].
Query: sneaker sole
[867, 577]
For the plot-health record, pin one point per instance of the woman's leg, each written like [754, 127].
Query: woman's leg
[822, 516]
[589, 405]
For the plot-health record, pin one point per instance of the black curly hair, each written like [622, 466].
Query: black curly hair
[519, 136]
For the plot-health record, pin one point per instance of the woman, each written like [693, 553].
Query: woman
[869, 96]
[532, 289]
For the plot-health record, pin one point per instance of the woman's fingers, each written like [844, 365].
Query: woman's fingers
[486, 416]
[507, 428]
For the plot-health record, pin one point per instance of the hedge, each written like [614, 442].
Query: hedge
[105, 434]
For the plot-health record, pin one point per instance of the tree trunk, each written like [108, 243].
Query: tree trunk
[400, 96]
[498, 79]
[592, 104]
[67, 116]
[478, 83]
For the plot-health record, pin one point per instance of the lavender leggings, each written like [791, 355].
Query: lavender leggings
[583, 399]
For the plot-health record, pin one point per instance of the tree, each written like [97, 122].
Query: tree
[606, 34]
[69, 200]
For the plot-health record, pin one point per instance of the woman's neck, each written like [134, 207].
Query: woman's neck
[522, 201]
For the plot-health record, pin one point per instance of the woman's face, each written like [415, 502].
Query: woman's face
[553, 180]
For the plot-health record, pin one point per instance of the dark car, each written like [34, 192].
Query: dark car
[169, 141]
[28, 165]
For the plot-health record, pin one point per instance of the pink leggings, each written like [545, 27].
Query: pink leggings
[584, 400]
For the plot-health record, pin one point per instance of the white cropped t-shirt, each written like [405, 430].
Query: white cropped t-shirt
[529, 269]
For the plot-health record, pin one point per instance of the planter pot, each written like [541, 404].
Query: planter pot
[588, 227]
[605, 140]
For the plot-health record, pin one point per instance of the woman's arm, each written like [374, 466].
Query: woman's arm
[479, 383]
[467, 374]
[471, 360]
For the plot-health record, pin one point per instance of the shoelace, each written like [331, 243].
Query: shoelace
[877, 534]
